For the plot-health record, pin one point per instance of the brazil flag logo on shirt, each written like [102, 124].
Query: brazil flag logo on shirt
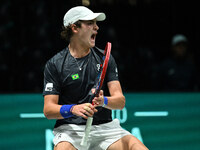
[75, 76]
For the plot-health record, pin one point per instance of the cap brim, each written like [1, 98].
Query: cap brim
[97, 16]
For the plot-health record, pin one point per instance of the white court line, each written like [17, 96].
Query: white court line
[31, 115]
[151, 114]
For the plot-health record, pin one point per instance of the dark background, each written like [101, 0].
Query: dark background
[140, 32]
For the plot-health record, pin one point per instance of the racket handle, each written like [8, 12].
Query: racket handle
[87, 131]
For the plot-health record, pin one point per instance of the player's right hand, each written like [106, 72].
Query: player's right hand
[84, 110]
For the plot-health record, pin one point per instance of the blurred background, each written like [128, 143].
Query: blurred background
[141, 33]
[155, 44]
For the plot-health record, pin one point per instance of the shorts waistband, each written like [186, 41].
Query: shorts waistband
[113, 123]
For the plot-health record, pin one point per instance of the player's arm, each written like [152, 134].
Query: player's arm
[52, 108]
[116, 100]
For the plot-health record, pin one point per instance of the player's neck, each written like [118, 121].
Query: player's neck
[78, 51]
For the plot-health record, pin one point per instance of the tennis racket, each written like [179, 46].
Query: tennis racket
[100, 77]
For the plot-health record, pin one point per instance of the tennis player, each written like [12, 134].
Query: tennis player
[69, 77]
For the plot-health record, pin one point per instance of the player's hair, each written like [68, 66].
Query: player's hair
[67, 33]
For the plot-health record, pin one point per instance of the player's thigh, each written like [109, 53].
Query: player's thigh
[64, 146]
[128, 142]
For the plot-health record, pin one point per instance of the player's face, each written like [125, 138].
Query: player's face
[88, 32]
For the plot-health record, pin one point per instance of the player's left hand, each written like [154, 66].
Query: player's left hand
[98, 101]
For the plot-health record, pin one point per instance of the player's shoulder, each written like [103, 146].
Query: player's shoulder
[98, 50]
[58, 57]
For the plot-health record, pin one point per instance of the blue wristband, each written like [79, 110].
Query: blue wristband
[105, 101]
[65, 111]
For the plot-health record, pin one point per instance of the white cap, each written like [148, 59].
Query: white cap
[178, 38]
[81, 13]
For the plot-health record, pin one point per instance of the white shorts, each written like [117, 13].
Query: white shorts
[100, 137]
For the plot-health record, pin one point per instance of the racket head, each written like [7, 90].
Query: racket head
[106, 58]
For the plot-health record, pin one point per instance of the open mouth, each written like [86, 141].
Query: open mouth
[93, 36]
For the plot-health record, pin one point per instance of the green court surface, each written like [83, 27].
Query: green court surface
[162, 121]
